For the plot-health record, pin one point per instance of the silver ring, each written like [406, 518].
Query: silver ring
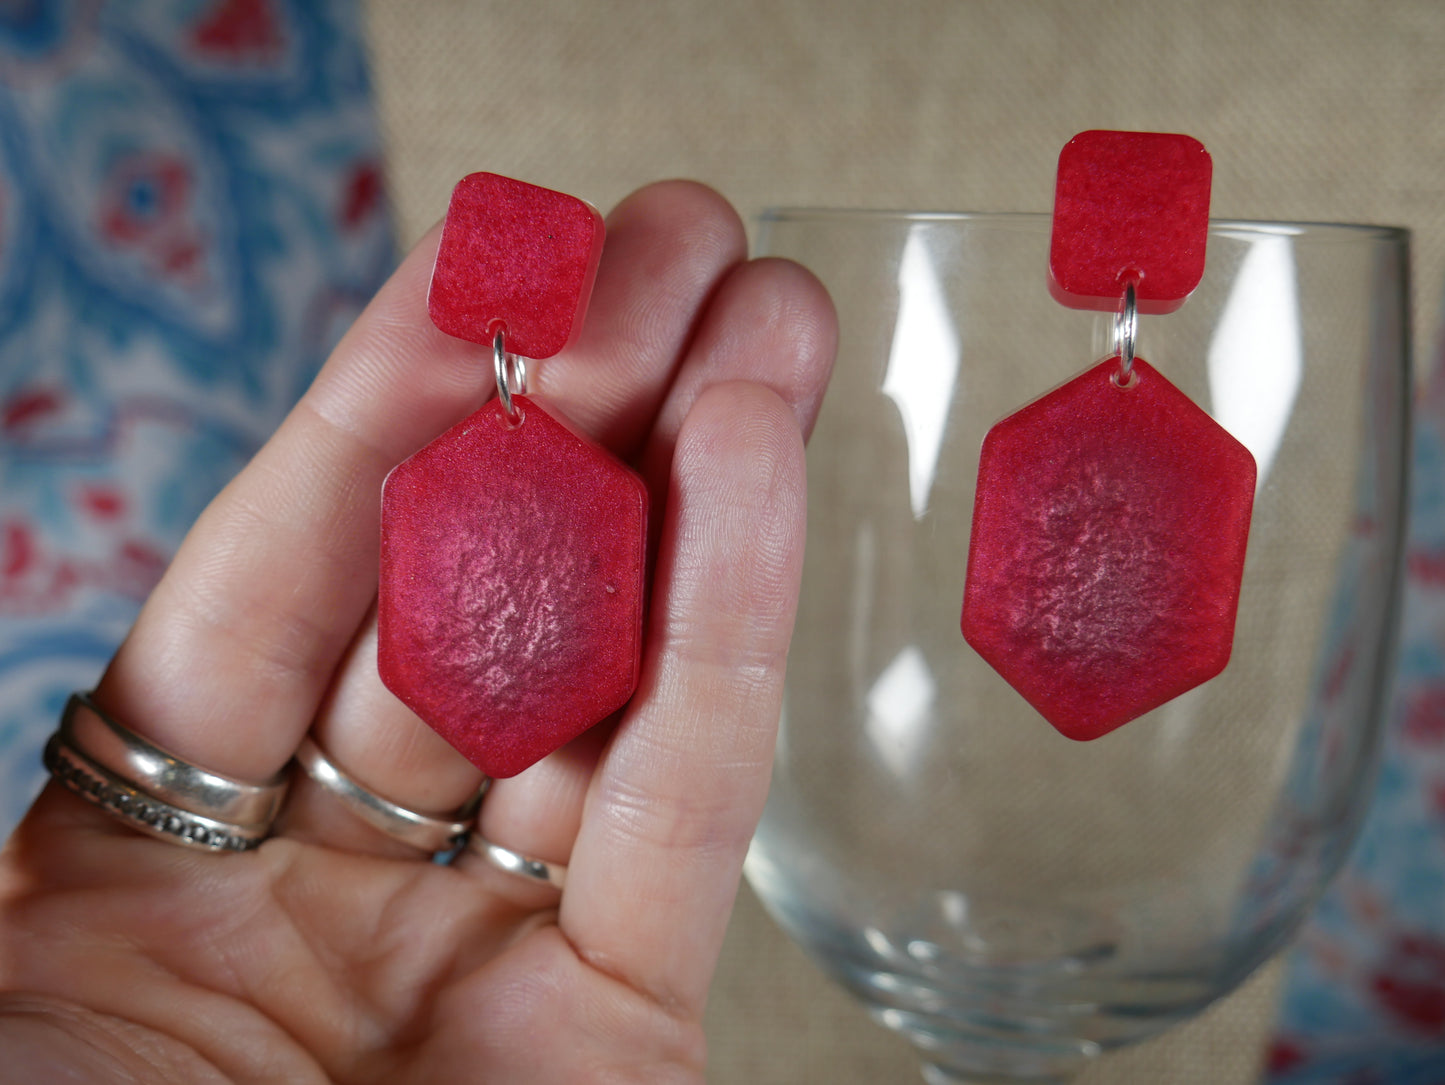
[97, 784]
[511, 373]
[161, 775]
[420, 830]
[1126, 334]
[523, 866]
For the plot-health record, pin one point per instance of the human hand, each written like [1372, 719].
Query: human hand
[333, 952]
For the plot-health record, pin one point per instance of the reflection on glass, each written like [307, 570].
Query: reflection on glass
[922, 364]
[1255, 356]
[899, 707]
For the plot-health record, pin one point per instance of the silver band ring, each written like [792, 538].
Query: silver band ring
[424, 831]
[163, 776]
[151, 789]
[523, 866]
[98, 785]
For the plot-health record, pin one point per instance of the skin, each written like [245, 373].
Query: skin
[332, 953]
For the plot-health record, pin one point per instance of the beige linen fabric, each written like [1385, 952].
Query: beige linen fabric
[1312, 111]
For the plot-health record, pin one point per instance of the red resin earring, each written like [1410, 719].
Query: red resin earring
[1112, 514]
[513, 548]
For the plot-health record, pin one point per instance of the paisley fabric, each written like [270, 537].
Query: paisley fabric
[191, 210]
[1365, 999]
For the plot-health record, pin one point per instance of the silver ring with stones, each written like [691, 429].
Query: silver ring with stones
[98, 783]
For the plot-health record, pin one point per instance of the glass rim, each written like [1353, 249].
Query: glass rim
[772, 215]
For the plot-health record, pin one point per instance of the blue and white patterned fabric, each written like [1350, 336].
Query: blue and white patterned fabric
[191, 212]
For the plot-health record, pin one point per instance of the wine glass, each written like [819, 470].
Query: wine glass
[1012, 901]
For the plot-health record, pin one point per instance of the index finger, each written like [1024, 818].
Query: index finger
[231, 653]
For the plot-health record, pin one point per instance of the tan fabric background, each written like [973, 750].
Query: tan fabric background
[1312, 110]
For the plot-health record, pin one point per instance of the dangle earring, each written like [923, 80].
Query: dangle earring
[1112, 514]
[513, 549]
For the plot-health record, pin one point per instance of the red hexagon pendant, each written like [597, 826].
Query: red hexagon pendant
[1108, 543]
[510, 611]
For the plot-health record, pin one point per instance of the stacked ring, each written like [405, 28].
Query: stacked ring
[523, 866]
[424, 831]
[154, 791]
[439, 834]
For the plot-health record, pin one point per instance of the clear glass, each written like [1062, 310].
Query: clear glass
[1013, 901]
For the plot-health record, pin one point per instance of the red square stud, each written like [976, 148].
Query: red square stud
[518, 255]
[1130, 204]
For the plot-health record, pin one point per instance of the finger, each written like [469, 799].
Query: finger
[679, 791]
[234, 648]
[421, 770]
[773, 326]
[770, 323]
[668, 245]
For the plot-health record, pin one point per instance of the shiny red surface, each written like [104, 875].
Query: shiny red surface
[516, 254]
[511, 599]
[1130, 203]
[1108, 544]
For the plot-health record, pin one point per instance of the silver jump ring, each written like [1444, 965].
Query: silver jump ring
[1126, 333]
[523, 866]
[102, 786]
[153, 771]
[425, 831]
[511, 373]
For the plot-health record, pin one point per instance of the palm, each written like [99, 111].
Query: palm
[334, 953]
[313, 964]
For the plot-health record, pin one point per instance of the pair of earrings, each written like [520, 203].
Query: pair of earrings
[1110, 521]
